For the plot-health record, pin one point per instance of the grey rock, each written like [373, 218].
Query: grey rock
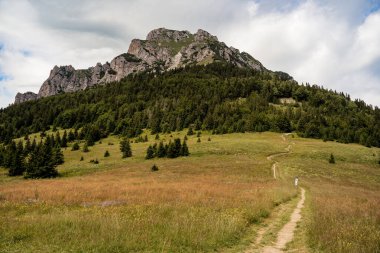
[23, 97]
[163, 50]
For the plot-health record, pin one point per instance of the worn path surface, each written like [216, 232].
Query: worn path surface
[286, 234]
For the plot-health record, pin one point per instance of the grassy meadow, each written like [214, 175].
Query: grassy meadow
[209, 201]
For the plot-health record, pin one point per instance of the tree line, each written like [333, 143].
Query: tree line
[218, 97]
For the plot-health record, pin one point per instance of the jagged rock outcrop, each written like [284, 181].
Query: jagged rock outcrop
[162, 50]
[23, 97]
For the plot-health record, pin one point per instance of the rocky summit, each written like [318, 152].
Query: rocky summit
[162, 50]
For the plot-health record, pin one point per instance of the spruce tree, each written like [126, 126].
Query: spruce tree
[57, 140]
[64, 140]
[149, 152]
[57, 156]
[75, 146]
[184, 149]
[177, 147]
[155, 149]
[190, 131]
[161, 151]
[16, 167]
[70, 136]
[125, 148]
[41, 163]
[106, 154]
[154, 168]
[332, 158]
[171, 153]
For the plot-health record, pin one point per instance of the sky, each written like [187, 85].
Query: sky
[331, 43]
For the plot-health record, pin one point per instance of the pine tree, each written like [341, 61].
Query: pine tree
[171, 150]
[332, 158]
[57, 156]
[199, 140]
[41, 163]
[64, 140]
[155, 149]
[209, 139]
[161, 152]
[190, 131]
[185, 138]
[154, 168]
[184, 149]
[146, 138]
[125, 148]
[106, 154]
[75, 146]
[28, 147]
[199, 134]
[149, 152]
[16, 167]
[177, 147]
[70, 136]
[157, 137]
[57, 140]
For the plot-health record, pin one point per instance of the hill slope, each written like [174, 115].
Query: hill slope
[218, 97]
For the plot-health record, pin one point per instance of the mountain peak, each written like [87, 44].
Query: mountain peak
[164, 49]
[163, 34]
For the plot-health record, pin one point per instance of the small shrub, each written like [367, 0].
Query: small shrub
[199, 134]
[106, 154]
[85, 148]
[110, 143]
[209, 139]
[81, 158]
[190, 131]
[75, 146]
[199, 140]
[94, 161]
[332, 158]
[154, 168]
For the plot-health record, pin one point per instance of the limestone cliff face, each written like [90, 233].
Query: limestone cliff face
[162, 50]
[23, 97]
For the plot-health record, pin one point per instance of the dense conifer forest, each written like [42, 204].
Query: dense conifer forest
[218, 97]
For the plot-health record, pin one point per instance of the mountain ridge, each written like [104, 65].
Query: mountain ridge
[162, 50]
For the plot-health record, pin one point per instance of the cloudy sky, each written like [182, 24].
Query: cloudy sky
[331, 43]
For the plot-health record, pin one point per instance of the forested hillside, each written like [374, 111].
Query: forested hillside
[218, 97]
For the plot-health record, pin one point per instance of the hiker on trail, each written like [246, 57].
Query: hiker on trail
[296, 181]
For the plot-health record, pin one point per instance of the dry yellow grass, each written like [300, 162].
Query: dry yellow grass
[197, 203]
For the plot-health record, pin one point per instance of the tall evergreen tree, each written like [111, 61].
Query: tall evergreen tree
[125, 148]
[41, 163]
[64, 140]
[149, 152]
[161, 151]
[185, 149]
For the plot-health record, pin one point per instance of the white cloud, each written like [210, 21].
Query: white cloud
[316, 46]
[330, 43]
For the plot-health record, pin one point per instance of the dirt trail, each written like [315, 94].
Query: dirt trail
[286, 234]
